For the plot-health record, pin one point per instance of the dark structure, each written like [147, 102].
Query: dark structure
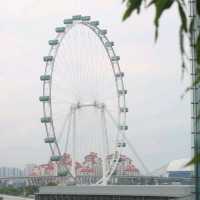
[195, 93]
[117, 192]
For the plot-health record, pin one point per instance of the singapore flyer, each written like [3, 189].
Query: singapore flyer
[84, 100]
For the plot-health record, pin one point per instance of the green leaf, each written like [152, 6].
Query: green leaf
[197, 78]
[182, 17]
[132, 5]
[161, 6]
[195, 159]
[181, 41]
[151, 3]
[198, 6]
[191, 28]
[198, 49]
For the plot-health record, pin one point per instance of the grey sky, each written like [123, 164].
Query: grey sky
[159, 120]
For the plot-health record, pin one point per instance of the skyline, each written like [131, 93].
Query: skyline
[25, 41]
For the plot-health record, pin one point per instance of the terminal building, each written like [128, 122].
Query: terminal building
[114, 192]
[175, 169]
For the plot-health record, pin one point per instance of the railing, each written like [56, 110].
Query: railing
[115, 180]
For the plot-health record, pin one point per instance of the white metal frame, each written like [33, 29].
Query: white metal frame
[46, 78]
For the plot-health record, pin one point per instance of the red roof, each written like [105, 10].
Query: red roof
[50, 167]
[93, 153]
[86, 169]
[130, 167]
[33, 174]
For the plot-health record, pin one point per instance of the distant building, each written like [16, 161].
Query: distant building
[125, 166]
[29, 169]
[10, 171]
[175, 168]
[91, 166]
[49, 169]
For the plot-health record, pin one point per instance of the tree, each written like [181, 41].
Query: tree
[186, 29]
[161, 6]
[30, 190]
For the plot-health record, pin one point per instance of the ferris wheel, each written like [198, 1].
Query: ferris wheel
[84, 99]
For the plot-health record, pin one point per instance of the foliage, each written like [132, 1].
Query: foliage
[195, 159]
[161, 6]
[18, 191]
[185, 29]
[52, 184]
[30, 190]
[10, 190]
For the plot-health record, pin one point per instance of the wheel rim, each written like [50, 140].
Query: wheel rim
[49, 88]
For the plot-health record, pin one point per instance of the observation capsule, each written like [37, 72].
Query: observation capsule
[48, 58]
[76, 17]
[46, 119]
[60, 29]
[123, 127]
[120, 74]
[56, 158]
[121, 144]
[122, 92]
[64, 173]
[123, 109]
[44, 98]
[85, 18]
[53, 42]
[50, 140]
[68, 21]
[115, 58]
[103, 32]
[94, 23]
[109, 44]
[45, 77]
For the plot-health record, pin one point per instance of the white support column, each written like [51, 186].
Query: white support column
[74, 143]
[105, 144]
[68, 131]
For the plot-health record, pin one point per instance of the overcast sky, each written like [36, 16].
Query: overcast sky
[159, 121]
